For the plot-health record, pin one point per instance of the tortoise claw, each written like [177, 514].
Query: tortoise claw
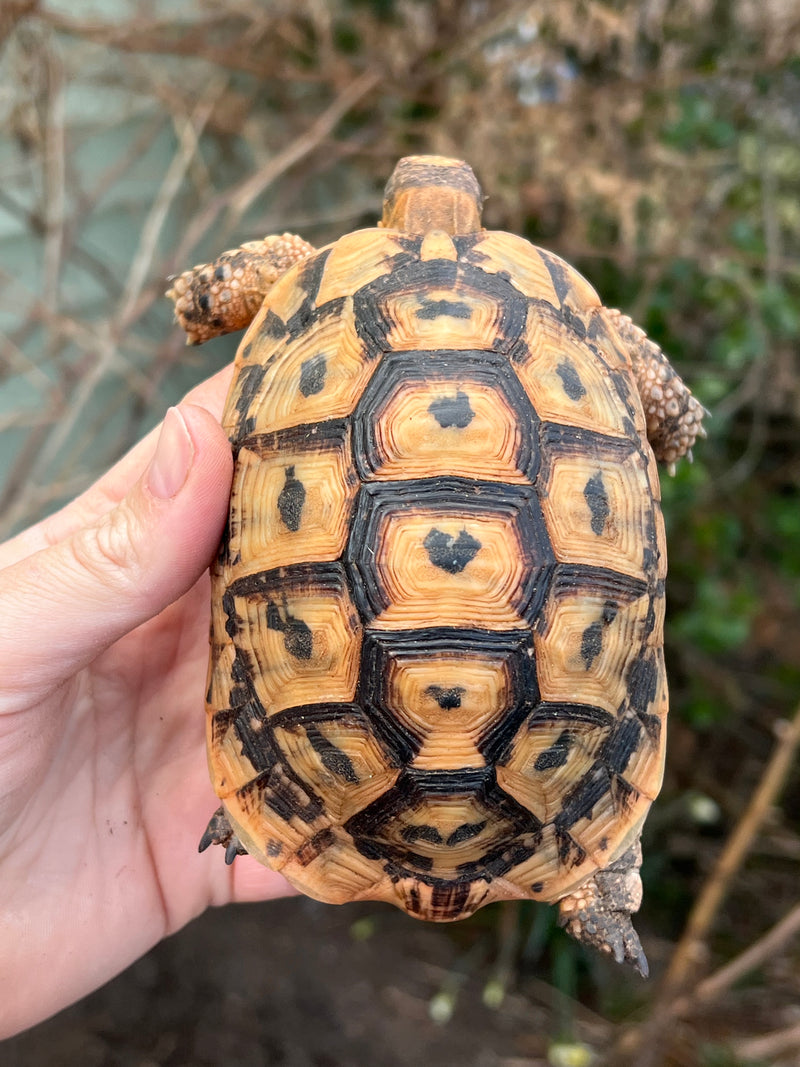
[234, 849]
[220, 832]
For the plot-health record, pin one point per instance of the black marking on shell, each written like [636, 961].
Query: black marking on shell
[308, 316]
[291, 500]
[286, 795]
[423, 832]
[596, 498]
[570, 380]
[313, 437]
[557, 438]
[452, 411]
[623, 795]
[579, 801]
[258, 745]
[315, 846]
[557, 269]
[225, 558]
[398, 747]
[248, 385]
[553, 711]
[652, 725]
[468, 247]
[451, 554]
[642, 683]
[465, 832]
[313, 372]
[434, 309]
[221, 722]
[297, 637]
[574, 321]
[556, 755]
[591, 643]
[447, 699]
[274, 849]
[449, 899]
[499, 860]
[297, 577]
[620, 745]
[233, 621]
[331, 757]
[570, 853]
[650, 552]
[649, 622]
[309, 273]
[273, 326]
[572, 578]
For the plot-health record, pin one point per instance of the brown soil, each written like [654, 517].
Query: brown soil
[288, 983]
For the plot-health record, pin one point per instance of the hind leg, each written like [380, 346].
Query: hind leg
[599, 912]
[219, 297]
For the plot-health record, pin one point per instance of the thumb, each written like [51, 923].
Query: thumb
[62, 606]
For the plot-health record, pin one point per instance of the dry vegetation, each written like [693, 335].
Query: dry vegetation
[657, 145]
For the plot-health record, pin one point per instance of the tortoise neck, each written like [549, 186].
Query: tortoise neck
[428, 193]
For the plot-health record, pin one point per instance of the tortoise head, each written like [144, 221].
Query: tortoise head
[428, 193]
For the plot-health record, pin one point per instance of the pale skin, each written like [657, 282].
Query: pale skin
[103, 783]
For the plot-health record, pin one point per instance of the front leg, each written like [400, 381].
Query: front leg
[674, 417]
[223, 296]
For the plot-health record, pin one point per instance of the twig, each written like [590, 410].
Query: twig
[647, 1041]
[234, 202]
[53, 168]
[721, 981]
[110, 335]
[730, 860]
[769, 1045]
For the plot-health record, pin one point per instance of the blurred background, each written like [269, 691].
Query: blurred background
[655, 145]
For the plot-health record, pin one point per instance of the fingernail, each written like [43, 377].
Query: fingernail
[174, 454]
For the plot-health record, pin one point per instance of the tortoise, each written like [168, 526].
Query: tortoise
[436, 672]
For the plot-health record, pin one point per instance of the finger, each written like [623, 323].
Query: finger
[108, 490]
[62, 606]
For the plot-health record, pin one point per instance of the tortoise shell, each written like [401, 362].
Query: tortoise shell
[436, 651]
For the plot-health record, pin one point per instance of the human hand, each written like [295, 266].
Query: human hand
[104, 791]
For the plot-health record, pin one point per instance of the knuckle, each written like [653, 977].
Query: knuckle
[110, 550]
